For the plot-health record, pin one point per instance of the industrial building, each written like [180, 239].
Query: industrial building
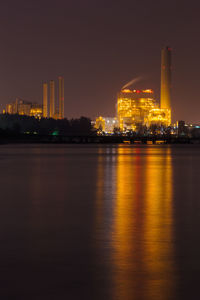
[22, 107]
[139, 107]
[133, 107]
[136, 108]
[45, 110]
[106, 125]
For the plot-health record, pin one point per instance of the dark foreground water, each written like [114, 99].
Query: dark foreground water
[99, 222]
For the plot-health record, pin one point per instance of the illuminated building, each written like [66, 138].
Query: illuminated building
[100, 123]
[136, 108]
[159, 116]
[106, 125]
[10, 108]
[61, 97]
[36, 110]
[52, 99]
[133, 107]
[22, 107]
[45, 100]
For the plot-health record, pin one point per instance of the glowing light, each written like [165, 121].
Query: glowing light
[150, 91]
[127, 91]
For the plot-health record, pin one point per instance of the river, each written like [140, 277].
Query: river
[95, 222]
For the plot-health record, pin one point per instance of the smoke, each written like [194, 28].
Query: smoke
[134, 80]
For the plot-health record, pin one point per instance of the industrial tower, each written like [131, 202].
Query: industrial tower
[52, 98]
[165, 95]
[45, 100]
[61, 97]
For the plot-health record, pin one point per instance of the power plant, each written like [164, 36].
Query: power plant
[25, 108]
[137, 108]
[45, 110]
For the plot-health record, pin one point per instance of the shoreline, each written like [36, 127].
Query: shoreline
[36, 139]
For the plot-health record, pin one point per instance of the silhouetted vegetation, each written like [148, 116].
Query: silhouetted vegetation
[25, 129]
[14, 125]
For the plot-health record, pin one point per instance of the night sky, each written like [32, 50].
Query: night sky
[98, 46]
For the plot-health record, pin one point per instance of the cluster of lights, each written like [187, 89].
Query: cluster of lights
[141, 109]
[150, 91]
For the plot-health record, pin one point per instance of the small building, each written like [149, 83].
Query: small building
[182, 128]
[106, 124]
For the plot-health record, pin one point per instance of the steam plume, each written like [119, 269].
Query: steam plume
[134, 80]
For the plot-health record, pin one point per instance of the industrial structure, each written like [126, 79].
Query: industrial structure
[133, 107]
[52, 99]
[165, 91]
[45, 110]
[137, 108]
[107, 125]
[22, 107]
[61, 97]
[56, 108]
[45, 100]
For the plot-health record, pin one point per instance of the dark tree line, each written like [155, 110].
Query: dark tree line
[16, 125]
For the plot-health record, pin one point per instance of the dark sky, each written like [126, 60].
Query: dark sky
[98, 46]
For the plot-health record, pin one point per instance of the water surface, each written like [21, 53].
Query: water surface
[99, 222]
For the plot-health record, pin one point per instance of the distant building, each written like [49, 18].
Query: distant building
[133, 107]
[188, 130]
[136, 108]
[106, 124]
[193, 130]
[182, 128]
[36, 110]
[22, 107]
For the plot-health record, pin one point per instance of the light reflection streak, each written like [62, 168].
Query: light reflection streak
[159, 224]
[142, 237]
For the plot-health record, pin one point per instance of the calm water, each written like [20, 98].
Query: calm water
[99, 222]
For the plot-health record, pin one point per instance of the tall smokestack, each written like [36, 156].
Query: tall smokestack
[61, 97]
[165, 97]
[45, 100]
[52, 98]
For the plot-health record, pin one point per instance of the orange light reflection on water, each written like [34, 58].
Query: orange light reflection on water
[142, 237]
